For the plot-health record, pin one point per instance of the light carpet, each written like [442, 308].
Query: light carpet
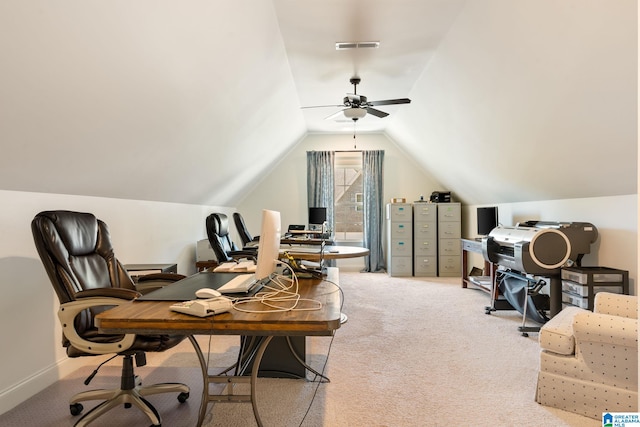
[415, 352]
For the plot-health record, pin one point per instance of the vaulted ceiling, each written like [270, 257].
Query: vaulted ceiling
[170, 101]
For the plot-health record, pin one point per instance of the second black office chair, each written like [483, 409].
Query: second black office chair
[217, 225]
[243, 231]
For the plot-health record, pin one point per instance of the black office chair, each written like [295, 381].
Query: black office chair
[76, 251]
[217, 225]
[243, 231]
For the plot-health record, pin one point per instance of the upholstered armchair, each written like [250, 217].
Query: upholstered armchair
[589, 360]
[76, 251]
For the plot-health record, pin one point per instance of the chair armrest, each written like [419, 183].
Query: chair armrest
[556, 335]
[616, 304]
[248, 254]
[605, 330]
[121, 293]
[68, 312]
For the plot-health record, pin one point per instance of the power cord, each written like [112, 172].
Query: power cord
[279, 296]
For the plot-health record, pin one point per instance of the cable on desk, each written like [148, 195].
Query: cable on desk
[279, 296]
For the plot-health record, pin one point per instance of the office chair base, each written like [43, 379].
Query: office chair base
[130, 397]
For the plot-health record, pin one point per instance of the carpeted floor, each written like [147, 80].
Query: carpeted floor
[415, 352]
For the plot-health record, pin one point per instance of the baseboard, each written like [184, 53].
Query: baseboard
[23, 390]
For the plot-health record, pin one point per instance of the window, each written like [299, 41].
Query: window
[348, 208]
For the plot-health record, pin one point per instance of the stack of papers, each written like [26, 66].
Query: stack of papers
[236, 267]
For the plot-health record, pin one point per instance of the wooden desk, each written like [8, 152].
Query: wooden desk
[204, 265]
[487, 283]
[329, 252]
[473, 245]
[155, 317]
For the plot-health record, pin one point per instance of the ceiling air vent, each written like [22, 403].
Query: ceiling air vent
[357, 45]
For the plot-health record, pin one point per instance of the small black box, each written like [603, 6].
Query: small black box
[441, 196]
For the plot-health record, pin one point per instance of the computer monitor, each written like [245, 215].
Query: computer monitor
[317, 217]
[487, 219]
[269, 244]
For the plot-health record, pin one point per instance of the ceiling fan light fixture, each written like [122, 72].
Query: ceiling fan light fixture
[357, 45]
[354, 113]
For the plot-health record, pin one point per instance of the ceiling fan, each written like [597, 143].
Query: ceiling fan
[357, 106]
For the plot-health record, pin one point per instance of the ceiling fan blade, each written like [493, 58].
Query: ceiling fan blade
[377, 113]
[322, 106]
[391, 101]
[335, 115]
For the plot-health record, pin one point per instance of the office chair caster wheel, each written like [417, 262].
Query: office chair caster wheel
[127, 405]
[182, 397]
[76, 409]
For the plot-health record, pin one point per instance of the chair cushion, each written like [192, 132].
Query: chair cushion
[557, 334]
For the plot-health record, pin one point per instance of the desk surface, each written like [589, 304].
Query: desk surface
[329, 252]
[150, 317]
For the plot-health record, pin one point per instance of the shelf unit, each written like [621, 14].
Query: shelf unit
[581, 284]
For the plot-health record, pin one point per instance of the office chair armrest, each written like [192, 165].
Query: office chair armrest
[120, 293]
[67, 314]
[248, 254]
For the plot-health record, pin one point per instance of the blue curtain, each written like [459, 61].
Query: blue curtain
[372, 172]
[321, 182]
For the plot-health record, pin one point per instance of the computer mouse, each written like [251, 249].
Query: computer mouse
[207, 293]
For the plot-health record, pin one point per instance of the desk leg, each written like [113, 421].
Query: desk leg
[204, 401]
[230, 381]
[254, 377]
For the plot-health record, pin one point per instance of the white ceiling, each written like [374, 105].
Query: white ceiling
[170, 101]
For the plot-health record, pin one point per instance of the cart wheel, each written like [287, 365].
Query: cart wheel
[182, 397]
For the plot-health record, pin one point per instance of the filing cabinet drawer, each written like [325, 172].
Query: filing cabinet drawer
[425, 212]
[449, 266]
[449, 247]
[400, 230]
[425, 231]
[425, 266]
[400, 247]
[399, 212]
[401, 266]
[449, 212]
[449, 230]
[425, 248]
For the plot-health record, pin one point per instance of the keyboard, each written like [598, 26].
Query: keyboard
[239, 284]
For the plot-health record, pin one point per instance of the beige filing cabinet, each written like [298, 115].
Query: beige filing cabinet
[425, 239]
[399, 238]
[449, 233]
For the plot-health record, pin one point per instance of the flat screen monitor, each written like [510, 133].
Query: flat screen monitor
[487, 219]
[269, 244]
[317, 215]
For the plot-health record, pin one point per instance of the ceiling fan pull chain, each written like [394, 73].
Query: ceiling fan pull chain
[354, 135]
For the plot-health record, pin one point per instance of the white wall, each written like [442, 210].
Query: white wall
[615, 217]
[285, 188]
[142, 232]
